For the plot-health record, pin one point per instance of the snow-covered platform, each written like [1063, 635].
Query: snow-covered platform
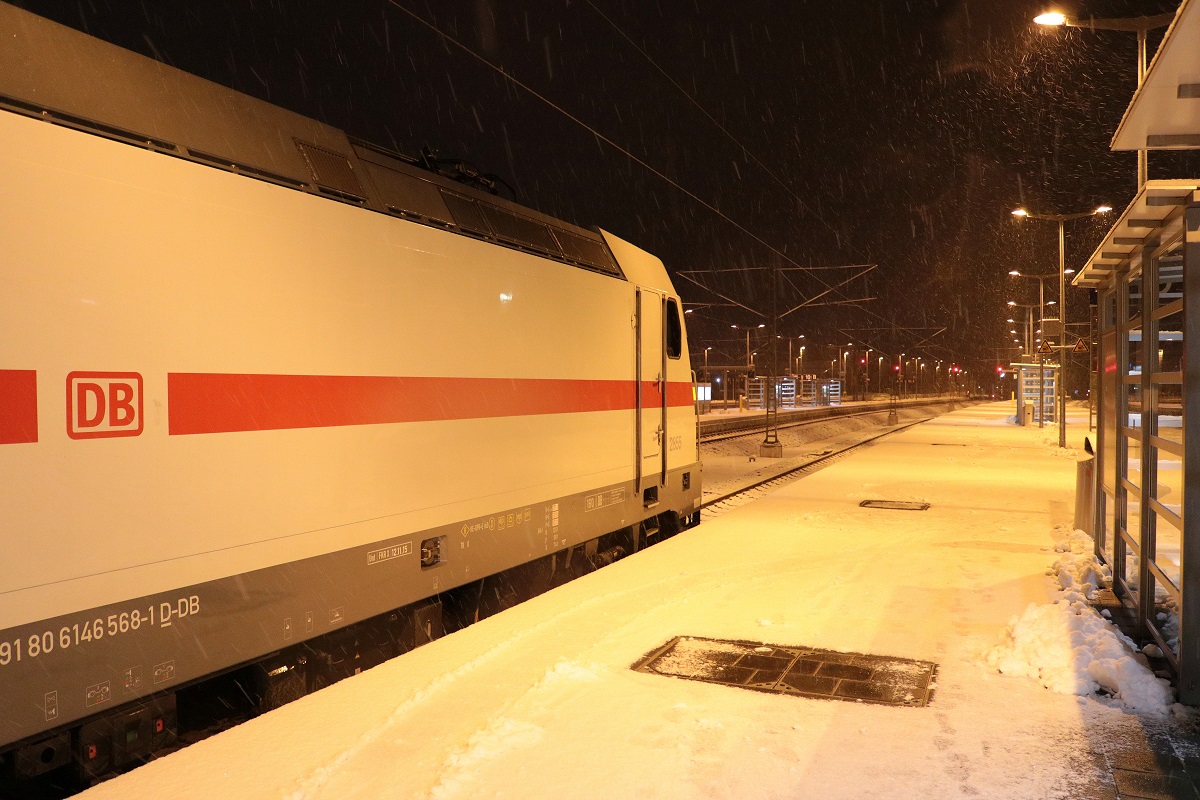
[540, 702]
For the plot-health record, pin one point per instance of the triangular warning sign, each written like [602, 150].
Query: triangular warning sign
[1080, 347]
[1045, 349]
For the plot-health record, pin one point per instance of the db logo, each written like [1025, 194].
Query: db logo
[104, 404]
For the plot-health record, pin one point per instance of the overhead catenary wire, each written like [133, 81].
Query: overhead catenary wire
[716, 123]
[745, 150]
[768, 269]
[448, 39]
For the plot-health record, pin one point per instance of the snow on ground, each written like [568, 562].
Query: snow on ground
[1070, 648]
[539, 702]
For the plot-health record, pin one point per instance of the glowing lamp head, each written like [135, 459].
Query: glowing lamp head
[1020, 212]
[1014, 272]
[1102, 209]
[1051, 18]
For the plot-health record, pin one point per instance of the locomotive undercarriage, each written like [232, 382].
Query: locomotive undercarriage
[98, 748]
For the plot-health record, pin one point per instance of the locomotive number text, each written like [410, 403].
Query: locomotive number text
[36, 645]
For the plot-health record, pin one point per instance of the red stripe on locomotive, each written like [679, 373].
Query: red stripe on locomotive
[18, 406]
[223, 403]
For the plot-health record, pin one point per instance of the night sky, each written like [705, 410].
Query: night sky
[728, 137]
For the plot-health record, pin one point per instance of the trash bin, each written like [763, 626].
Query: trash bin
[1085, 490]
[1028, 419]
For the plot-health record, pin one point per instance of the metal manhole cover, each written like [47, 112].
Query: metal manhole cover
[800, 671]
[895, 505]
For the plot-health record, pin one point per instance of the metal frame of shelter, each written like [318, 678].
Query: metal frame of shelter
[1146, 274]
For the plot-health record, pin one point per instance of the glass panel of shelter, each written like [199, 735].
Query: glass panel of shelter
[1126, 506]
[1164, 467]
[1109, 432]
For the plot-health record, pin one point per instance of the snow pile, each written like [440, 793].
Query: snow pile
[1077, 569]
[1070, 649]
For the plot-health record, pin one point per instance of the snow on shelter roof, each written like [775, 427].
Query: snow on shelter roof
[1158, 205]
[1165, 111]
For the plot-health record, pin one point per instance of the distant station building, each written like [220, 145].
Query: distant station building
[1146, 274]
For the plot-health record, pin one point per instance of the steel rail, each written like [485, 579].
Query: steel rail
[790, 474]
[758, 430]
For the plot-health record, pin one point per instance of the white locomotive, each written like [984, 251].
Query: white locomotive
[274, 399]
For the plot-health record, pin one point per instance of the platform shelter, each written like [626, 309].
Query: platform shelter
[1146, 274]
[1036, 386]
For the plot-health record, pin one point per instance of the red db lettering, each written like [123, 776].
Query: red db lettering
[88, 395]
[104, 404]
[120, 401]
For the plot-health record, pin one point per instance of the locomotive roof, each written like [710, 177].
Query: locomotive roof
[66, 77]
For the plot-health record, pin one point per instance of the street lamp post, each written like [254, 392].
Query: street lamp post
[1041, 279]
[1029, 307]
[866, 372]
[1140, 25]
[792, 361]
[1062, 302]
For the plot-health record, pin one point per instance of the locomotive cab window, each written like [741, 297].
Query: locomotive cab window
[674, 330]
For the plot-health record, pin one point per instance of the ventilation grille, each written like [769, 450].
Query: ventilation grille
[895, 505]
[466, 213]
[797, 671]
[491, 220]
[332, 170]
[585, 251]
[519, 230]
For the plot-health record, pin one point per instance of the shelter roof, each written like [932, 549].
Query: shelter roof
[1165, 111]
[1158, 206]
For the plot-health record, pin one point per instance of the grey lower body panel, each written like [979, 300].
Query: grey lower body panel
[58, 671]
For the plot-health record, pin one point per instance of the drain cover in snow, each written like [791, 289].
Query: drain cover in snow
[801, 671]
[895, 505]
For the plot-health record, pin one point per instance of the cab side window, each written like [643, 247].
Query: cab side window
[674, 330]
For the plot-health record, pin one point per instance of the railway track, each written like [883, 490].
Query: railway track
[730, 500]
[722, 436]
